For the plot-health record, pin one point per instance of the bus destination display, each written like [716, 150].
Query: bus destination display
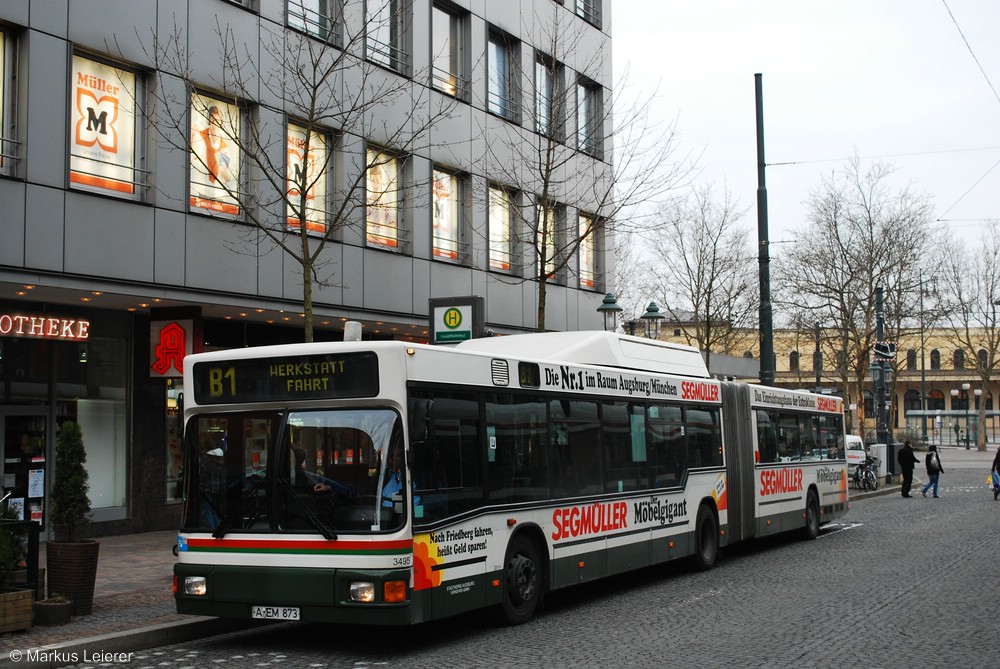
[305, 377]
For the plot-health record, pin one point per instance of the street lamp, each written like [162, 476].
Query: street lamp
[965, 394]
[652, 317]
[954, 396]
[610, 308]
[978, 392]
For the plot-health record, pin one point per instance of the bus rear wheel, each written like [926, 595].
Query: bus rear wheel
[811, 530]
[706, 537]
[522, 581]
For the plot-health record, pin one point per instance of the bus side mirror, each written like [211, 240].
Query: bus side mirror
[421, 421]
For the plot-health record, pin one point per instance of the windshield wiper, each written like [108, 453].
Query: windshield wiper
[316, 521]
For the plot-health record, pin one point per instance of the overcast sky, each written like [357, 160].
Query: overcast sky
[891, 80]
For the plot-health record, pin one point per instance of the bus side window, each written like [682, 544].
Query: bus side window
[447, 469]
[767, 440]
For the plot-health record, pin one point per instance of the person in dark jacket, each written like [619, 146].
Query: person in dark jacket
[934, 469]
[996, 477]
[906, 460]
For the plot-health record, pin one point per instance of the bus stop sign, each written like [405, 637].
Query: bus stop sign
[455, 319]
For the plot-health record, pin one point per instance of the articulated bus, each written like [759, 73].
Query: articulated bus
[391, 483]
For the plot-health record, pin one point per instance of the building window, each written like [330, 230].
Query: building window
[448, 52]
[588, 127]
[386, 32]
[446, 199]
[911, 360]
[959, 358]
[960, 402]
[319, 18]
[105, 144]
[589, 11]
[869, 405]
[547, 243]
[935, 400]
[911, 401]
[382, 199]
[502, 66]
[548, 96]
[308, 159]
[983, 358]
[793, 361]
[8, 147]
[935, 359]
[587, 251]
[501, 255]
[215, 156]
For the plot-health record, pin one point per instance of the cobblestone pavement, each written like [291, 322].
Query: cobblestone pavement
[133, 589]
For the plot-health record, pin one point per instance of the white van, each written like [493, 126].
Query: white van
[855, 450]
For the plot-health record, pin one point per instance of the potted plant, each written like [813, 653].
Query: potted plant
[71, 560]
[15, 604]
[56, 610]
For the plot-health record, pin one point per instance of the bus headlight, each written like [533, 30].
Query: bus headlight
[362, 591]
[195, 585]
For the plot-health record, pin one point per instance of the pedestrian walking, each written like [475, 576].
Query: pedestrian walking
[995, 474]
[934, 469]
[906, 460]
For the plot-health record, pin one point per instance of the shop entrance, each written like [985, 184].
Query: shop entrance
[24, 451]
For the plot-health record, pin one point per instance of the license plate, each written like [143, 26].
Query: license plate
[275, 612]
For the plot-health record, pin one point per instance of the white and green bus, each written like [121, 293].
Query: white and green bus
[394, 483]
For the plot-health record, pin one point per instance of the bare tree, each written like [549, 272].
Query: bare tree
[322, 146]
[571, 122]
[862, 233]
[703, 268]
[631, 285]
[971, 285]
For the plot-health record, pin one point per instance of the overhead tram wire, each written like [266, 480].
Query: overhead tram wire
[886, 155]
[992, 167]
[995, 94]
[971, 52]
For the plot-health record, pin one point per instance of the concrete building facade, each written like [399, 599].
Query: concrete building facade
[132, 235]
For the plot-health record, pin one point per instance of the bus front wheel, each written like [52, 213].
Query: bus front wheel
[522, 581]
[706, 537]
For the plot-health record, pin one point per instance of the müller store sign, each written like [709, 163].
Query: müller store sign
[32, 326]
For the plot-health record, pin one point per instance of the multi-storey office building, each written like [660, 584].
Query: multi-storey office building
[133, 233]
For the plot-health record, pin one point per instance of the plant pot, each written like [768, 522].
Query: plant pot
[72, 572]
[48, 612]
[15, 610]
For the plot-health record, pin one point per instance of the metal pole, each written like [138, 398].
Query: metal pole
[923, 369]
[818, 361]
[881, 403]
[763, 253]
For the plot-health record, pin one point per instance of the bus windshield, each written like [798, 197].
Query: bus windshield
[326, 471]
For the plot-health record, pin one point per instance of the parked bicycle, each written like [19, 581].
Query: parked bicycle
[865, 477]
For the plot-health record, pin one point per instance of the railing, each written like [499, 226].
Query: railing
[10, 155]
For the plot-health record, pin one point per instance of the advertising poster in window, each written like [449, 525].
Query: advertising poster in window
[444, 196]
[3, 106]
[102, 152]
[215, 156]
[381, 200]
[309, 173]
[586, 253]
[499, 230]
